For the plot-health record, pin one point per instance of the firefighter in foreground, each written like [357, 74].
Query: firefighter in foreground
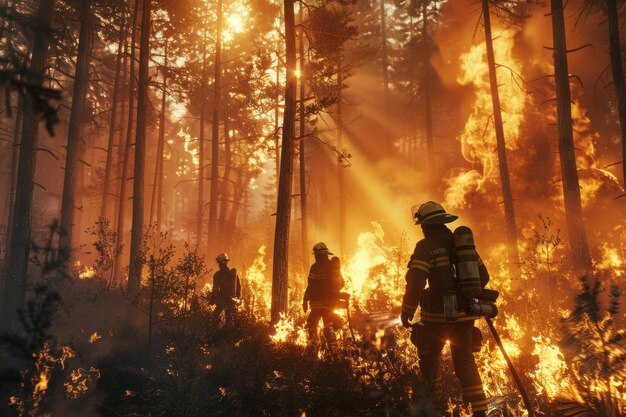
[323, 294]
[440, 259]
[226, 289]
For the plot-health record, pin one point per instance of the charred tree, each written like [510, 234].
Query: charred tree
[225, 189]
[158, 169]
[617, 71]
[579, 249]
[385, 46]
[302, 156]
[108, 168]
[136, 238]
[505, 182]
[280, 272]
[15, 147]
[126, 148]
[341, 174]
[276, 120]
[201, 143]
[75, 141]
[18, 251]
[215, 130]
[428, 110]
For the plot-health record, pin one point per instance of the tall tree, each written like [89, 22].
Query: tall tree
[426, 87]
[341, 174]
[505, 182]
[280, 272]
[201, 143]
[16, 268]
[75, 140]
[617, 71]
[158, 170]
[385, 46]
[126, 148]
[225, 188]
[579, 249]
[136, 239]
[108, 168]
[302, 156]
[215, 129]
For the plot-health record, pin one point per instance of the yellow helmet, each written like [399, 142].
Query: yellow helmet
[431, 213]
[222, 258]
[321, 248]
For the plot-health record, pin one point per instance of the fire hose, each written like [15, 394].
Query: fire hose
[516, 377]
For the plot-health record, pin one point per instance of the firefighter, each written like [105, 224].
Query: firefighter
[432, 262]
[226, 289]
[323, 294]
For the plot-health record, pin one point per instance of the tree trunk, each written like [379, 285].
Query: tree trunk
[16, 267]
[302, 125]
[383, 34]
[75, 142]
[280, 273]
[158, 171]
[341, 180]
[505, 182]
[428, 110]
[225, 193]
[276, 121]
[201, 143]
[579, 249]
[127, 148]
[108, 169]
[14, 163]
[618, 76]
[215, 129]
[143, 105]
[239, 201]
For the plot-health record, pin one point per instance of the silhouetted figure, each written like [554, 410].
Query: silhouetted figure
[442, 313]
[226, 289]
[322, 294]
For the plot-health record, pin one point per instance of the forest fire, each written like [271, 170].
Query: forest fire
[232, 208]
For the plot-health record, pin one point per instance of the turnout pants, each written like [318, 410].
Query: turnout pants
[331, 321]
[430, 340]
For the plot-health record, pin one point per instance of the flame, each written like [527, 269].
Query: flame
[286, 331]
[371, 277]
[478, 140]
[94, 337]
[84, 271]
[550, 374]
[257, 288]
[611, 259]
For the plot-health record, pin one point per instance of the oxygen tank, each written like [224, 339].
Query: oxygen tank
[467, 263]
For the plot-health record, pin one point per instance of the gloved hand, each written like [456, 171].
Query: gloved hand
[406, 318]
[305, 305]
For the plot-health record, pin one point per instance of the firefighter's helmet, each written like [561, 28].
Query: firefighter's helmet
[222, 258]
[321, 249]
[431, 213]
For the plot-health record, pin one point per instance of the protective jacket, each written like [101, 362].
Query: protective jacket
[431, 263]
[324, 283]
[226, 285]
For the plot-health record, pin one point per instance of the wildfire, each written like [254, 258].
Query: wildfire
[84, 271]
[94, 337]
[478, 140]
[257, 291]
[550, 374]
[611, 259]
[286, 331]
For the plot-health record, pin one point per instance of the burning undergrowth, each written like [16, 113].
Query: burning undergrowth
[97, 351]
